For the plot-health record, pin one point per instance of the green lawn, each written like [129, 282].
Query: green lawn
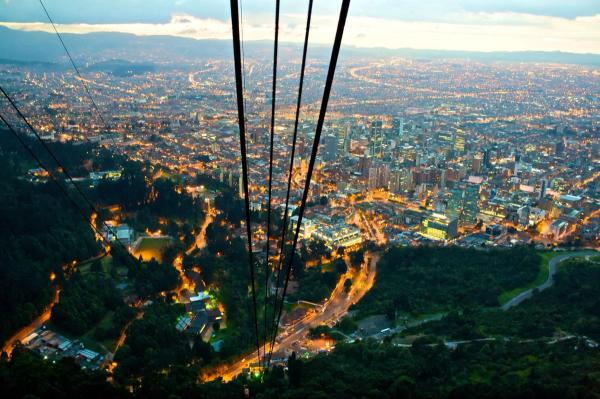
[85, 267]
[541, 277]
[91, 342]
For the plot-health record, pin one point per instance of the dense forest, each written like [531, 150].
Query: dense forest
[84, 301]
[154, 345]
[40, 231]
[366, 369]
[420, 280]
[570, 306]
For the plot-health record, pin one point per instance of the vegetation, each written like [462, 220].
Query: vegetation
[153, 344]
[84, 301]
[489, 370]
[419, 280]
[315, 284]
[570, 306]
[542, 275]
[152, 278]
[40, 231]
[27, 375]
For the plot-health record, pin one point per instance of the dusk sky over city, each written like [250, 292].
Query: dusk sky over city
[528, 25]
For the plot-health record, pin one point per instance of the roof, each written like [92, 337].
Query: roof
[88, 354]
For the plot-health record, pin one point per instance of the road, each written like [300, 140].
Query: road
[333, 309]
[187, 285]
[108, 359]
[201, 237]
[552, 266]
[34, 325]
[42, 318]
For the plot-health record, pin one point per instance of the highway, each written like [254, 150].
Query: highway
[334, 308]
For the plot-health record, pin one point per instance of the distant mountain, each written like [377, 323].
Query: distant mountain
[41, 47]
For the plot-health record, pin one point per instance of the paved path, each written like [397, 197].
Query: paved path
[552, 266]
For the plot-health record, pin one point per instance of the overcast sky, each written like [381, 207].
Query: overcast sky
[478, 25]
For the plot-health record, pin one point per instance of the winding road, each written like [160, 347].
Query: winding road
[552, 266]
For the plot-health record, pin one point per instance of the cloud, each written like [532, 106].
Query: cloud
[468, 31]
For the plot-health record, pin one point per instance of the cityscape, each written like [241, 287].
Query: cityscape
[453, 215]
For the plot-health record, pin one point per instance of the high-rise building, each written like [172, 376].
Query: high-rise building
[487, 158]
[543, 188]
[459, 140]
[344, 141]
[454, 202]
[470, 204]
[398, 127]
[476, 164]
[379, 176]
[376, 142]
[330, 147]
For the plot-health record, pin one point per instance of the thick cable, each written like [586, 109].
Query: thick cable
[273, 103]
[315, 148]
[289, 182]
[242, 129]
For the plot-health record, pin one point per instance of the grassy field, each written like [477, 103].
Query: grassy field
[85, 267]
[541, 277]
[152, 247]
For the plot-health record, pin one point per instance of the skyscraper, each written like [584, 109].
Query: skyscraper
[459, 140]
[376, 143]
[487, 158]
[470, 204]
[330, 147]
[454, 202]
[543, 188]
[398, 127]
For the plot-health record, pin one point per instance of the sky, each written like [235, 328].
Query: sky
[466, 25]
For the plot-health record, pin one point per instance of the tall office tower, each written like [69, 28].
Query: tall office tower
[398, 126]
[378, 176]
[394, 183]
[376, 143]
[418, 159]
[543, 188]
[442, 179]
[476, 164]
[372, 182]
[487, 158]
[330, 147]
[455, 202]
[343, 143]
[470, 204]
[399, 180]
[364, 164]
[459, 140]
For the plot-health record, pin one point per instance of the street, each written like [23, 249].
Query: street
[333, 309]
